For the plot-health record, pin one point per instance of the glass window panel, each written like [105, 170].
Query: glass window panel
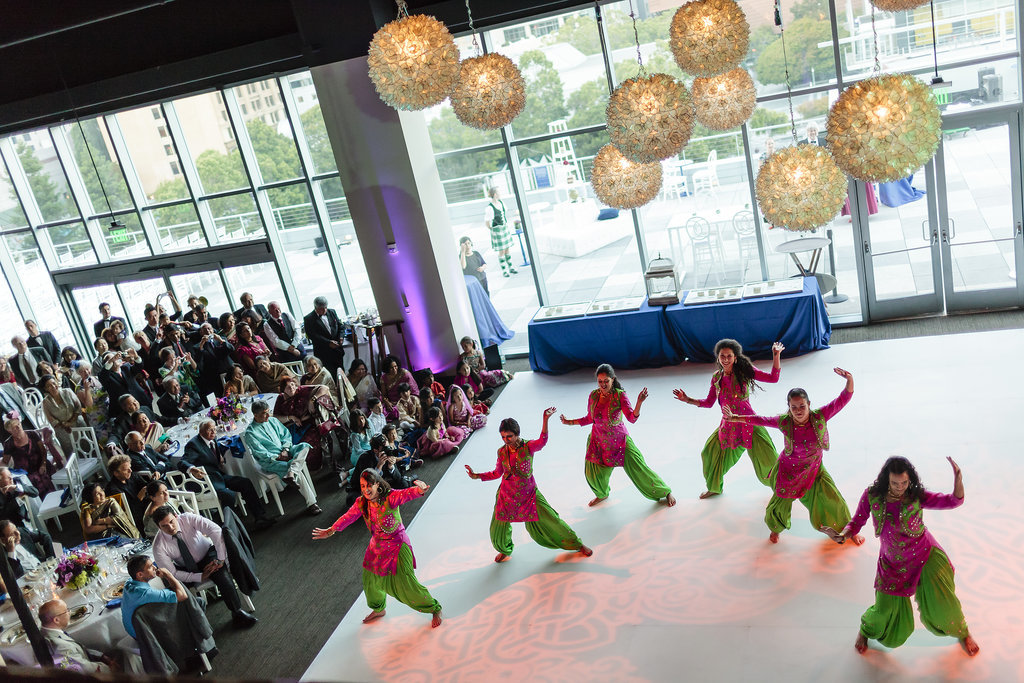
[11, 214]
[211, 142]
[88, 300]
[652, 30]
[125, 242]
[10, 317]
[235, 218]
[105, 177]
[207, 284]
[178, 227]
[564, 72]
[344, 235]
[157, 165]
[965, 30]
[808, 44]
[260, 279]
[138, 294]
[30, 268]
[71, 244]
[311, 121]
[273, 142]
[46, 179]
[305, 254]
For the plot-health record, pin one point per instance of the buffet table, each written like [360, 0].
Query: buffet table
[656, 336]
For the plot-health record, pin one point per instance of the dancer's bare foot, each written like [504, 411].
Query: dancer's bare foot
[585, 551]
[670, 500]
[857, 540]
[435, 621]
[596, 501]
[774, 537]
[708, 494]
[500, 557]
[861, 644]
[968, 644]
[373, 616]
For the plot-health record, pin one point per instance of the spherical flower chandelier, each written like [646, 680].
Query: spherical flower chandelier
[884, 128]
[414, 62]
[724, 101]
[490, 92]
[709, 37]
[650, 117]
[621, 183]
[800, 187]
[897, 5]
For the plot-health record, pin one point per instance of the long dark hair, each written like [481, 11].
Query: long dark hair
[470, 372]
[742, 368]
[371, 477]
[897, 465]
[606, 369]
[424, 404]
[353, 421]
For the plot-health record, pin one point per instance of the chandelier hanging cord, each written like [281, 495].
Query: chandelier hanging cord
[636, 39]
[472, 29]
[935, 43]
[785, 63]
[874, 35]
[403, 9]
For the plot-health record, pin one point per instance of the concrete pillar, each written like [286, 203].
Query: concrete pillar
[395, 196]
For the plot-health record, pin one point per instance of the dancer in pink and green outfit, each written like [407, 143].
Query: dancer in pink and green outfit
[799, 473]
[910, 561]
[610, 446]
[731, 386]
[388, 566]
[519, 500]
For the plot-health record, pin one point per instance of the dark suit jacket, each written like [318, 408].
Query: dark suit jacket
[130, 489]
[120, 383]
[10, 509]
[197, 454]
[212, 359]
[100, 325]
[15, 365]
[46, 343]
[169, 406]
[321, 336]
[123, 424]
[260, 308]
[139, 463]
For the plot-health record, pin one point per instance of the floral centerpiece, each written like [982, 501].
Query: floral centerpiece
[227, 410]
[76, 569]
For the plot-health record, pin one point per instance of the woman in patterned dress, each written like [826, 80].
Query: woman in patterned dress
[389, 564]
[496, 222]
[610, 446]
[519, 499]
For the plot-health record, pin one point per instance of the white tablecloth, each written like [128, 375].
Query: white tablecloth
[183, 433]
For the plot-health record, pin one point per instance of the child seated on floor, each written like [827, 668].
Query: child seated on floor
[460, 411]
[393, 448]
[429, 381]
[438, 440]
[474, 357]
[375, 419]
[479, 407]
[359, 436]
[410, 413]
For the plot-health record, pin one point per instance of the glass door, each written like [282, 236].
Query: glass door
[979, 202]
[206, 284]
[137, 294]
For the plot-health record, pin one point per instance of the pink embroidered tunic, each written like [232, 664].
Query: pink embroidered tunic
[905, 542]
[388, 532]
[728, 392]
[517, 495]
[607, 442]
[800, 459]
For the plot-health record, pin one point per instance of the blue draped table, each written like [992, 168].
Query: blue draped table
[632, 339]
[799, 321]
[666, 335]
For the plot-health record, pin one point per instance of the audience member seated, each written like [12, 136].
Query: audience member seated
[138, 592]
[131, 484]
[295, 407]
[118, 379]
[27, 451]
[152, 432]
[438, 440]
[125, 421]
[410, 415]
[466, 375]
[204, 451]
[271, 446]
[63, 411]
[479, 407]
[102, 516]
[145, 458]
[157, 495]
[194, 547]
[250, 306]
[10, 509]
[359, 435]
[427, 380]
[178, 402]
[401, 454]
[106, 319]
[326, 331]
[226, 324]
[43, 341]
[66, 652]
[375, 417]
[237, 382]
[282, 334]
[68, 355]
[392, 375]
[363, 383]
[316, 373]
[269, 375]
[24, 363]
[21, 558]
[248, 347]
[212, 354]
[180, 367]
[6, 374]
[48, 369]
[386, 465]
[460, 411]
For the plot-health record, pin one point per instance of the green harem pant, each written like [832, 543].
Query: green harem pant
[549, 531]
[402, 585]
[890, 620]
[717, 460]
[643, 477]
[823, 501]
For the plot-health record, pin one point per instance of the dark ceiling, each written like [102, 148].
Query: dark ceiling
[63, 56]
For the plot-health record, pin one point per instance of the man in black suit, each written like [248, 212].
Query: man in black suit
[325, 330]
[152, 328]
[145, 458]
[122, 424]
[11, 509]
[44, 341]
[813, 137]
[282, 335]
[116, 377]
[178, 402]
[248, 305]
[21, 557]
[212, 354]
[23, 363]
[107, 320]
[204, 451]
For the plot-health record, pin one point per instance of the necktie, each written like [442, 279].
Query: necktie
[30, 371]
[187, 561]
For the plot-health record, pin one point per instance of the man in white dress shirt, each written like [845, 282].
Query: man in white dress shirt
[54, 618]
[282, 334]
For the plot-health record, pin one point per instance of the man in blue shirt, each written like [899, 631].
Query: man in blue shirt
[138, 592]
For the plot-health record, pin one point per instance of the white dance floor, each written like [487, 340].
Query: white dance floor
[696, 592]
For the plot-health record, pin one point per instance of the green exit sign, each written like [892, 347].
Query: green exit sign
[119, 235]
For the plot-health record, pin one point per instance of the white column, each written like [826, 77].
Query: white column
[395, 196]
